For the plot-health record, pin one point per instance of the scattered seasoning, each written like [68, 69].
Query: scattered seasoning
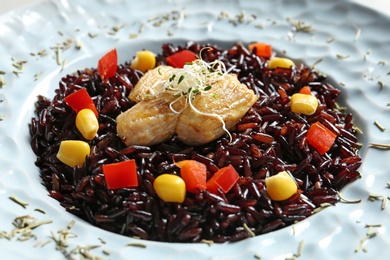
[358, 32]
[102, 240]
[330, 40]
[316, 62]
[2, 82]
[117, 28]
[342, 199]
[223, 15]
[247, 229]
[170, 33]
[299, 251]
[2, 72]
[382, 63]
[18, 201]
[257, 256]
[19, 64]
[38, 75]
[79, 45]
[358, 130]
[133, 35]
[105, 252]
[206, 241]
[381, 84]
[137, 245]
[342, 57]
[374, 197]
[141, 28]
[321, 207]
[260, 26]
[300, 26]
[92, 35]
[23, 227]
[83, 251]
[380, 127]
[369, 234]
[17, 72]
[342, 84]
[380, 146]
[63, 64]
[58, 54]
[2, 117]
[40, 210]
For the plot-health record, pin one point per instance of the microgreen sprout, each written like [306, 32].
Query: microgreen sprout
[195, 78]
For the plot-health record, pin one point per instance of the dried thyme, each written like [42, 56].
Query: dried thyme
[369, 234]
[342, 199]
[342, 57]
[380, 146]
[374, 197]
[358, 32]
[299, 251]
[92, 35]
[2, 82]
[206, 241]
[316, 62]
[247, 229]
[18, 201]
[136, 245]
[381, 84]
[322, 207]
[40, 210]
[380, 127]
[300, 26]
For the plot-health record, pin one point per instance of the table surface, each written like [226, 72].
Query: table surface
[379, 5]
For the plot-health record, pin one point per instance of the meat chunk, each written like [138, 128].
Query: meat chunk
[149, 122]
[159, 114]
[228, 100]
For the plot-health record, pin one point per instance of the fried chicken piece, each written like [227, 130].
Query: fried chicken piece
[149, 122]
[227, 100]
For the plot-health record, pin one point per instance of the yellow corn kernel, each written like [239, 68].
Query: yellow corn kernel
[143, 61]
[303, 104]
[73, 152]
[170, 188]
[277, 62]
[87, 123]
[281, 186]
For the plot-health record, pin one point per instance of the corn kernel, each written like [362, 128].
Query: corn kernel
[73, 152]
[87, 123]
[277, 62]
[281, 186]
[303, 104]
[143, 61]
[170, 188]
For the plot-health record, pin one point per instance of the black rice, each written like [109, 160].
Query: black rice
[268, 139]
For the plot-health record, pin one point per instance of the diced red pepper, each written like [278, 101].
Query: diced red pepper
[262, 49]
[107, 65]
[179, 59]
[320, 137]
[121, 174]
[224, 178]
[194, 174]
[305, 90]
[79, 100]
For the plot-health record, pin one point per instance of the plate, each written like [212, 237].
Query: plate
[43, 42]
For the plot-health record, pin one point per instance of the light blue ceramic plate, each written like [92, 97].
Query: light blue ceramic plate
[352, 42]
